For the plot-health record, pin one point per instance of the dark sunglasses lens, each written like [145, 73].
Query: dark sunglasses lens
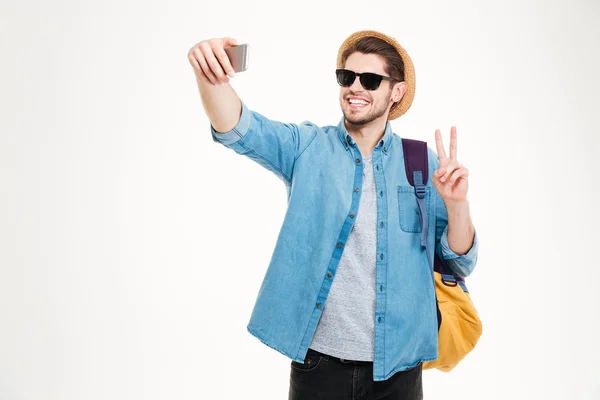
[345, 77]
[370, 81]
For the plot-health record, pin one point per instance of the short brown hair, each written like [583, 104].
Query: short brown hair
[394, 66]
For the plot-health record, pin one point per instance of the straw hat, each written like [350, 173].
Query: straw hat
[409, 70]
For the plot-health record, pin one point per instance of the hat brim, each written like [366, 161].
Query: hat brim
[409, 70]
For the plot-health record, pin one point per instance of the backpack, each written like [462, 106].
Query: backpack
[459, 326]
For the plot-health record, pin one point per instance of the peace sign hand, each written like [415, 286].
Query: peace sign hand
[451, 178]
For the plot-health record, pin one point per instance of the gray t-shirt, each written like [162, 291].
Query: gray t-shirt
[347, 324]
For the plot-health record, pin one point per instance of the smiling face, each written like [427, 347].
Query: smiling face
[361, 106]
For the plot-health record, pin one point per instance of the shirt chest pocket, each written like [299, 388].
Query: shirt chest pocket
[408, 208]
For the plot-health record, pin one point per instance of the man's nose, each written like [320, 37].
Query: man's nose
[356, 86]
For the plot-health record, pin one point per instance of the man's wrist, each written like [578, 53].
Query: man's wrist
[456, 204]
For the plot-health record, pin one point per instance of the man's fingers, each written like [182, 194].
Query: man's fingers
[453, 143]
[223, 60]
[459, 173]
[205, 68]
[193, 61]
[439, 144]
[228, 42]
[215, 66]
[210, 61]
[449, 170]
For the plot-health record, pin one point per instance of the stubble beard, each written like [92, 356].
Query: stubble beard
[372, 115]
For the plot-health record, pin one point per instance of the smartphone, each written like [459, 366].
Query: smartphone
[238, 57]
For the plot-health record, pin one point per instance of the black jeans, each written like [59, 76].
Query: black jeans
[326, 377]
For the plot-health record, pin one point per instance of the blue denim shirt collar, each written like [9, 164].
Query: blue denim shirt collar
[385, 143]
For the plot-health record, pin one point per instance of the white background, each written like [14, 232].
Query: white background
[132, 246]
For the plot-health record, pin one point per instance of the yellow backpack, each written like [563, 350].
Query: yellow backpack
[459, 326]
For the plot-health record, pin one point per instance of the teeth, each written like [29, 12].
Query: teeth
[353, 101]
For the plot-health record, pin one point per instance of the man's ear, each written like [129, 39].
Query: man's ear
[398, 91]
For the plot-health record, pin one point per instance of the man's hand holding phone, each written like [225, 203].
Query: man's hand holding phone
[217, 60]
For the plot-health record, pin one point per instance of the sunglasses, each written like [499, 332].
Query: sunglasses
[368, 80]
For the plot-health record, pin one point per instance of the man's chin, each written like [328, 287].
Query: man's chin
[356, 121]
[360, 119]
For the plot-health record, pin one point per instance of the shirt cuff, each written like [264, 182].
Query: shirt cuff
[461, 264]
[237, 133]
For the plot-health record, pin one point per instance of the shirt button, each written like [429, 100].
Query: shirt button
[319, 306]
[329, 275]
[381, 194]
[356, 190]
[351, 215]
[339, 245]
[385, 149]
[357, 160]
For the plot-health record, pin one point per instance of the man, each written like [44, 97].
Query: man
[348, 295]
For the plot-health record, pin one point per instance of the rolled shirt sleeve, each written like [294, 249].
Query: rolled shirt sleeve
[238, 132]
[461, 265]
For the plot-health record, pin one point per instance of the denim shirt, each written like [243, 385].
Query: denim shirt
[322, 170]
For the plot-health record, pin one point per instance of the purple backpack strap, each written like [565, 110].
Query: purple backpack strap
[417, 173]
[415, 159]
[416, 165]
